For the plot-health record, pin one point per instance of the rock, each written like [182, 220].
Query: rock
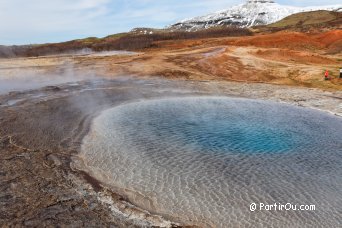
[54, 160]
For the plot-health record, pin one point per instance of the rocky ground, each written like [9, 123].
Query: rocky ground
[42, 126]
[39, 138]
[284, 58]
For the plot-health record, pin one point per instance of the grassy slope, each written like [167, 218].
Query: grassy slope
[319, 18]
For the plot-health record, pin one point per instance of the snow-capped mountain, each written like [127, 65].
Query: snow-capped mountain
[251, 13]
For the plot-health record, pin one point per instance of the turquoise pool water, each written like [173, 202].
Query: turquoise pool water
[220, 129]
[204, 160]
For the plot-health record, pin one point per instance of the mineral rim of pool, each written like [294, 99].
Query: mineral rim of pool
[204, 160]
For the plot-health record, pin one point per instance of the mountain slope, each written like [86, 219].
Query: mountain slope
[252, 13]
[313, 18]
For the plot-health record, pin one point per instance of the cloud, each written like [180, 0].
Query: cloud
[308, 2]
[50, 15]
[23, 21]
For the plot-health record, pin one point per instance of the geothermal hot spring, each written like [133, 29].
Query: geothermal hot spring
[204, 160]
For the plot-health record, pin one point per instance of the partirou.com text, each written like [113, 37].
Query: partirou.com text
[281, 207]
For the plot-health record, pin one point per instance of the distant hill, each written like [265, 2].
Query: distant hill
[137, 39]
[320, 18]
[249, 14]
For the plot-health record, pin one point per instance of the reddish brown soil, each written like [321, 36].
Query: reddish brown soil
[291, 40]
[294, 56]
[290, 58]
[329, 37]
[287, 57]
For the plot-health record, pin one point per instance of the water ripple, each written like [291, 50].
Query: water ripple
[204, 160]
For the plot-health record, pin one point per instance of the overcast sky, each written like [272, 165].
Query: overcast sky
[41, 21]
